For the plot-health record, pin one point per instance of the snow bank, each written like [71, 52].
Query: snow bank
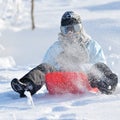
[6, 62]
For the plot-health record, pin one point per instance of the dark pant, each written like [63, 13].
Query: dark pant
[37, 76]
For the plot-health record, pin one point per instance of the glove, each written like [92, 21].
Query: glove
[106, 85]
[103, 78]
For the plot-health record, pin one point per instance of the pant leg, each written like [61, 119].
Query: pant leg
[37, 76]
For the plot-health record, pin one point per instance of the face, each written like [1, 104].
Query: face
[71, 32]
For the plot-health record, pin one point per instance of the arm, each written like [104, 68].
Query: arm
[51, 55]
[96, 53]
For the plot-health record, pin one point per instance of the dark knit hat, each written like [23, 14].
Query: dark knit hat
[70, 18]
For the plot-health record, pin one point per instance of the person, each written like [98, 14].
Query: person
[73, 51]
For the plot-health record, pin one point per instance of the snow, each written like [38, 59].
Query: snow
[21, 49]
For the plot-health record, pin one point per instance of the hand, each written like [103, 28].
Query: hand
[101, 76]
[106, 85]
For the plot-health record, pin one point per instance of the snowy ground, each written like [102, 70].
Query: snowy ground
[21, 49]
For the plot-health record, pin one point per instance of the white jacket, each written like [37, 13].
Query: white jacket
[94, 51]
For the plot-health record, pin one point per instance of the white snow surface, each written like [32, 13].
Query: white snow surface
[21, 49]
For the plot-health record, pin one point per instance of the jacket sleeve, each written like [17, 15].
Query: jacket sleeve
[96, 53]
[51, 55]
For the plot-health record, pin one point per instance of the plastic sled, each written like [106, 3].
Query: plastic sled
[68, 82]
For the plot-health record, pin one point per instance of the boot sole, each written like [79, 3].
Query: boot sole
[18, 86]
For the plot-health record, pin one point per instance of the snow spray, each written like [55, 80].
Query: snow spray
[29, 97]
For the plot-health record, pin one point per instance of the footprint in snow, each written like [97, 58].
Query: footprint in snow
[68, 116]
[59, 109]
[82, 103]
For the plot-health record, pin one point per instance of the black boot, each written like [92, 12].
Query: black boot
[20, 87]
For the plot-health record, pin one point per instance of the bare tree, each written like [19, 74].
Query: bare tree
[32, 14]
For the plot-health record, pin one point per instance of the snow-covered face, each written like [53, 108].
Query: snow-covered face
[71, 33]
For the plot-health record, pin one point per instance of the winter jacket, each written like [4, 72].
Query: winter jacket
[94, 50]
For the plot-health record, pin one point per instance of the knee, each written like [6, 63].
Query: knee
[45, 68]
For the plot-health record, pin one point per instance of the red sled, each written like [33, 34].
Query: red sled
[68, 82]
